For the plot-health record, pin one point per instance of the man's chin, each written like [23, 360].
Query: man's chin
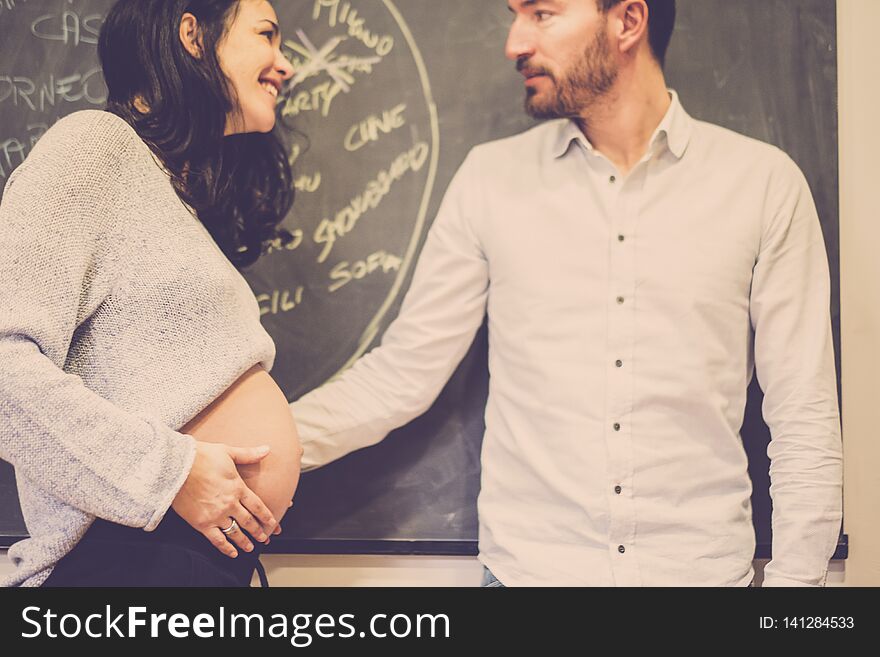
[539, 108]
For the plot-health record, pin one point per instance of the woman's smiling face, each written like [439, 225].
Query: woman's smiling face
[250, 56]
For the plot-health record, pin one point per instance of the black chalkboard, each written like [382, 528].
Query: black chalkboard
[391, 96]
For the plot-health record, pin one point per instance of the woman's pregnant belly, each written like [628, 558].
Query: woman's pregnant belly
[252, 412]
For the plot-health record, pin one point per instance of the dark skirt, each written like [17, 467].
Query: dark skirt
[174, 554]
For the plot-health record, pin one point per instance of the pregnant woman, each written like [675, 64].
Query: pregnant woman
[150, 445]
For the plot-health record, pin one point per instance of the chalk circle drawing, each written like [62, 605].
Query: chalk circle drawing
[364, 149]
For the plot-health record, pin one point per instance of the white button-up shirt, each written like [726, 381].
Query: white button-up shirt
[627, 315]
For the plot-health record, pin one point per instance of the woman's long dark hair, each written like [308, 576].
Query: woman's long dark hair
[240, 186]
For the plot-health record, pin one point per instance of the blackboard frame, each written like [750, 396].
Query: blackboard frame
[389, 547]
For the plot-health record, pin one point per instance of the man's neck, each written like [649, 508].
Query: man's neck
[621, 124]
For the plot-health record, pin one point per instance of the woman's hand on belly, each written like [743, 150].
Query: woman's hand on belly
[214, 492]
[252, 412]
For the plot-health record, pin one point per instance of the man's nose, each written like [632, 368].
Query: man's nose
[519, 42]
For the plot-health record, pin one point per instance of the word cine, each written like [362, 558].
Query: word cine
[344, 273]
[68, 28]
[342, 13]
[373, 127]
[330, 230]
[14, 151]
[23, 91]
[280, 301]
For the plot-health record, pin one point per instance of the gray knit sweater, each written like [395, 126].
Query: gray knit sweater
[120, 320]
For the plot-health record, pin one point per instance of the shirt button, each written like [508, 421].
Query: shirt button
[618, 490]
[618, 363]
[620, 301]
[617, 426]
[612, 179]
[621, 238]
[621, 549]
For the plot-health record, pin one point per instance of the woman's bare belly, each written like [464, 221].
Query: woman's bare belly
[251, 412]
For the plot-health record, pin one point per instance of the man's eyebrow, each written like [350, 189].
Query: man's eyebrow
[524, 4]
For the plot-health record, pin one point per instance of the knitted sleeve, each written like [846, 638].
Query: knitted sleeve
[58, 260]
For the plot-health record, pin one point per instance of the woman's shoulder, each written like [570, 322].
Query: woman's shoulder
[89, 118]
[88, 140]
[88, 159]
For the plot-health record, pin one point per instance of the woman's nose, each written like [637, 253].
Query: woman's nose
[283, 66]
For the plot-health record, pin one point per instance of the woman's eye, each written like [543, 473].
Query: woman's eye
[269, 34]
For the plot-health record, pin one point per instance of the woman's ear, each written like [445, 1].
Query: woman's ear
[189, 35]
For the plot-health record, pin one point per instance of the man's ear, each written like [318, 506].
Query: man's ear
[632, 25]
[189, 35]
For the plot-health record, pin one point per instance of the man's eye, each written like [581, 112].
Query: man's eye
[541, 16]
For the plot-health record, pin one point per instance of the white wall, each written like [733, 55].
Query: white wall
[859, 82]
[859, 73]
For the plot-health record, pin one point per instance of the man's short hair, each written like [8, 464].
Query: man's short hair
[661, 21]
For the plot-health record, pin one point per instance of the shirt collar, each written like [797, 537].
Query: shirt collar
[675, 131]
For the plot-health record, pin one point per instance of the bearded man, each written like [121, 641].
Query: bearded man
[637, 267]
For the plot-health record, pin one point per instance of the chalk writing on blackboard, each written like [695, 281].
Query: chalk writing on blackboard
[45, 94]
[68, 27]
[14, 150]
[373, 127]
[344, 273]
[8, 5]
[364, 176]
[346, 219]
[280, 301]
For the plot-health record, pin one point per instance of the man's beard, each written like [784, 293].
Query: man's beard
[588, 80]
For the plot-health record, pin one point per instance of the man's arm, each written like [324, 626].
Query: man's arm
[401, 378]
[794, 359]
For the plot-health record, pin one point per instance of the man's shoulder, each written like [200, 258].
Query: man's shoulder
[747, 160]
[535, 140]
[733, 146]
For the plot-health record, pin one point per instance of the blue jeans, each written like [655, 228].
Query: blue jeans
[490, 581]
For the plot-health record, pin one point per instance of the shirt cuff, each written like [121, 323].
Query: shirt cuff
[311, 459]
[778, 582]
[165, 504]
